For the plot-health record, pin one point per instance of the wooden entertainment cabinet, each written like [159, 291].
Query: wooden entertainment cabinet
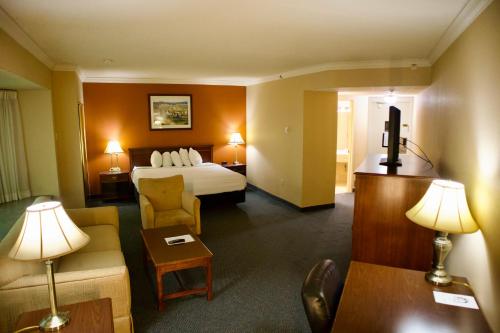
[381, 233]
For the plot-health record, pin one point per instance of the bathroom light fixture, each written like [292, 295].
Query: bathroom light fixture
[390, 98]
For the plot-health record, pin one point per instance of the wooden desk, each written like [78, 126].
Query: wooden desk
[388, 299]
[92, 316]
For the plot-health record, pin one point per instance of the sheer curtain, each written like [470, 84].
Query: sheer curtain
[14, 183]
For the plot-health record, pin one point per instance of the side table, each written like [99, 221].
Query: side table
[115, 185]
[239, 168]
[94, 316]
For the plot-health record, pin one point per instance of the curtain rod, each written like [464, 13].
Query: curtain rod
[1, 89]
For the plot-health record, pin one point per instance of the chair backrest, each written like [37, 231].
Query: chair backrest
[321, 293]
[163, 193]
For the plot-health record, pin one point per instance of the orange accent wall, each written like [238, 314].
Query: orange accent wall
[121, 111]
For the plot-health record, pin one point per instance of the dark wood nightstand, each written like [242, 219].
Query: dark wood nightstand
[115, 185]
[92, 316]
[239, 168]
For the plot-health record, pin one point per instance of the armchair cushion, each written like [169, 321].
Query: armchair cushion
[163, 193]
[174, 217]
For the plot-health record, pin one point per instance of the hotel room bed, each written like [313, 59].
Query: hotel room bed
[210, 182]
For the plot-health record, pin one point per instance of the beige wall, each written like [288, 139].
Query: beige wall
[458, 124]
[15, 59]
[36, 113]
[319, 148]
[275, 159]
[66, 94]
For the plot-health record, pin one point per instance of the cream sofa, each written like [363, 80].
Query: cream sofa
[97, 270]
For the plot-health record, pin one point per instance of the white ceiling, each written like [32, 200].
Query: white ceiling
[232, 40]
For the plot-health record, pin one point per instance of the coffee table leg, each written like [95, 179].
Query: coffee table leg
[159, 286]
[209, 279]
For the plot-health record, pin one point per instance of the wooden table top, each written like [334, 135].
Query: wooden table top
[412, 167]
[388, 299]
[161, 253]
[94, 316]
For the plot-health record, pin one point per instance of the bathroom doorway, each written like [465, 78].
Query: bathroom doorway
[344, 147]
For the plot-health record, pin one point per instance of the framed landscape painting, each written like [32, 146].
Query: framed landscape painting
[170, 112]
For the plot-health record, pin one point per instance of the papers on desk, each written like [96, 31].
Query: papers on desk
[177, 240]
[464, 301]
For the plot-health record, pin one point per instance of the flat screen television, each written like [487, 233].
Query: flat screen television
[392, 128]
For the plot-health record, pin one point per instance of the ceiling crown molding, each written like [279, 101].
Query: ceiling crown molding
[163, 80]
[346, 65]
[10, 26]
[471, 10]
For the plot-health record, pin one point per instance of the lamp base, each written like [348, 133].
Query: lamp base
[52, 322]
[115, 169]
[438, 275]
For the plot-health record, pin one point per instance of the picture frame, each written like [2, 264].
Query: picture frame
[170, 112]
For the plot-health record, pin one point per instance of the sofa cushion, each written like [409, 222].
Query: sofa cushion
[173, 217]
[163, 193]
[102, 238]
[14, 269]
[79, 261]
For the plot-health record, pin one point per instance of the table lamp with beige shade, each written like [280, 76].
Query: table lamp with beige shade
[48, 233]
[236, 140]
[113, 148]
[443, 208]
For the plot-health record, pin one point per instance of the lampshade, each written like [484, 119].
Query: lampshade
[47, 233]
[236, 139]
[113, 147]
[444, 208]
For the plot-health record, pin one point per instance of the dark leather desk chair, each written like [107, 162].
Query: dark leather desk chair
[321, 293]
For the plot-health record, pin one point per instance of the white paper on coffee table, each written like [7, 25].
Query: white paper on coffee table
[464, 301]
[187, 239]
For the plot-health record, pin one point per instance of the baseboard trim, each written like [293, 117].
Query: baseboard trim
[288, 203]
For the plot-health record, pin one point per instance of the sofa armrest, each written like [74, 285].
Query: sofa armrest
[147, 212]
[31, 293]
[85, 217]
[191, 204]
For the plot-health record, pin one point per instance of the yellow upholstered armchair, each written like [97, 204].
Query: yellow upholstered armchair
[164, 202]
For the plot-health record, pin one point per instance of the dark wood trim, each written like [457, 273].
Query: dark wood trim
[170, 129]
[142, 156]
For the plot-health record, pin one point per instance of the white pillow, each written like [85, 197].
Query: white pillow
[195, 157]
[156, 159]
[176, 159]
[184, 157]
[167, 160]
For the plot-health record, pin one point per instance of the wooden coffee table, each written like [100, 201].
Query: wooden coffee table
[167, 258]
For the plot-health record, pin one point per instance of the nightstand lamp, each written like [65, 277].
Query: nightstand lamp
[443, 208]
[113, 148]
[48, 233]
[236, 140]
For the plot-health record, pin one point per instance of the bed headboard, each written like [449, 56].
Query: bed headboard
[141, 156]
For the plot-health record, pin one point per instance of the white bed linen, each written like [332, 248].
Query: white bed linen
[207, 178]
